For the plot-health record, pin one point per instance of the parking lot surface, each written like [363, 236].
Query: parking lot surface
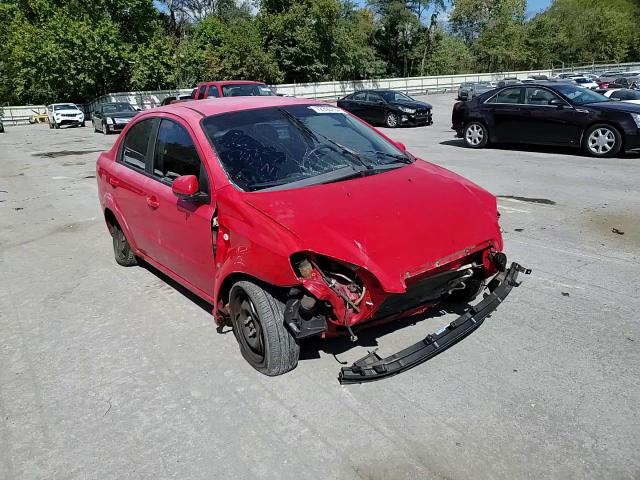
[115, 373]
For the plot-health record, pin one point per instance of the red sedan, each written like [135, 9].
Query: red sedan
[293, 218]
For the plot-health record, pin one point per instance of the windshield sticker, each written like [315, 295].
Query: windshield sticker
[326, 109]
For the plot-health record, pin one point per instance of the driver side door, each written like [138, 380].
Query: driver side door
[550, 124]
[184, 242]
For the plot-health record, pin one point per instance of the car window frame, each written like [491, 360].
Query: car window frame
[204, 179]
[555, 94]
[361, 92]
[147, 159]
[507, 87]
[214, 88]
[374, 94]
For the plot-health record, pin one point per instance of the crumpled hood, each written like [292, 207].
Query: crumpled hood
[399, 221]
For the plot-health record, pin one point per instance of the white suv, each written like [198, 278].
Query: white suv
[64, 114]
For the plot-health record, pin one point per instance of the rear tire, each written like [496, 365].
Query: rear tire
[121, 249]
[602, 141]
[258, 325]
[475, 135]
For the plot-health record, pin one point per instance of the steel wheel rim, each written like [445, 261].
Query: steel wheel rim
[120, 244]
[392, 120]
[601, 141]
[247, 326]
[474, 134]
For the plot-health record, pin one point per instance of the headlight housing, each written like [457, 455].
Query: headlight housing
[636, 118]
[109, 120]
[407, 110]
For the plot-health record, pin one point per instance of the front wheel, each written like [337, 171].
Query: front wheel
[602, 141]
[258, 325]
[391, 120]
[475, 135]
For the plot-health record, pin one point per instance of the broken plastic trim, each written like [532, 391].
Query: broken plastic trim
[372, 367]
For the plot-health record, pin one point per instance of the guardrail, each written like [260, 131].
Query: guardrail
[19, 114]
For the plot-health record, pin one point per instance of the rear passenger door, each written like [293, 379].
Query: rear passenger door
[506, 113]
[182, 228]
[376, 107]
[128, 183]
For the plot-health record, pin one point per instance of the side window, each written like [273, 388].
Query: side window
[508, 95]
[175, 154]
[374, 98]
[359, 96]
[538, 96]
[203, 89]
[136, 144]
[212, 91]
[617, 94]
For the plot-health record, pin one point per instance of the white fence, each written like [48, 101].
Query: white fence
[16, 115]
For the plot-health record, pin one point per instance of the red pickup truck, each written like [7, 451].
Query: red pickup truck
[232, 88]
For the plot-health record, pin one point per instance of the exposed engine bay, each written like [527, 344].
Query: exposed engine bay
[335, 297]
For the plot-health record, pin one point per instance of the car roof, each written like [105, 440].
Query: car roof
[216, 106]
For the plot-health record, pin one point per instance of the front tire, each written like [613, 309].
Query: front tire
[391, 120]
[121, 249]
[105, 130]
[602, 141]
[258, 325]
[475, 135]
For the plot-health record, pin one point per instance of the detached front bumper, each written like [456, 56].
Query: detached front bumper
[372, 367]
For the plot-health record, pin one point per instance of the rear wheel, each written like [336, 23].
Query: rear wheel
[391, 120]
[602, 141]
[258, 325]
[121, 248]
[475, 135]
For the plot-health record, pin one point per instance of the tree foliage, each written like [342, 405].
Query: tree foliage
[76, 50]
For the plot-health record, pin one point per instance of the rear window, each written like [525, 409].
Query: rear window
[247, 90]
[508, 95]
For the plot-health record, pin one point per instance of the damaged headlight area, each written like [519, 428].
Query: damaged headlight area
[331, 291]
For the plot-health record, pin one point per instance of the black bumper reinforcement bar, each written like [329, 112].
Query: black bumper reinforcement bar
[372, 367]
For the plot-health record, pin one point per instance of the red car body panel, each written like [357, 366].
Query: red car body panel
[394, 226]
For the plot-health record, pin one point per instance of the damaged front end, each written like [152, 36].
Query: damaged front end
[335, 297]
[373, 367]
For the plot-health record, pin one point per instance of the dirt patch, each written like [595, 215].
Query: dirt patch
[64, 153]
[543, 201]
[621, 227]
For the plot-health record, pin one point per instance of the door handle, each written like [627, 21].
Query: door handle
[114, 182]
[152, 201]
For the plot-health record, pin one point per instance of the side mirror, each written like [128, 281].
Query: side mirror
[185, 186]
[556, 102]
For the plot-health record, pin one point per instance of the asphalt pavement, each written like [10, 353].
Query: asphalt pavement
[117, 373]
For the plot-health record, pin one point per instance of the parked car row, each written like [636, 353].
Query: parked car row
[550, 113]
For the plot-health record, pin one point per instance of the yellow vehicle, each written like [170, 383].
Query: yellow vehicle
[38, 117]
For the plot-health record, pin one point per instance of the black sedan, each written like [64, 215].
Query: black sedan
[549, 114]
[387, 107]
[112, 117]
